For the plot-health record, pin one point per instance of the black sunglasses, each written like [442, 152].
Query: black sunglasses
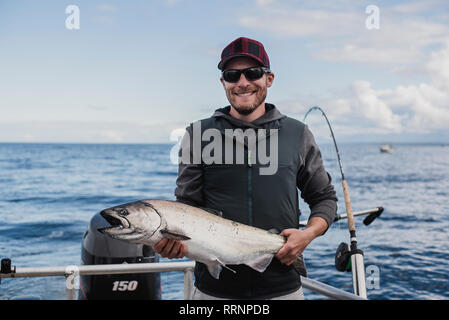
[251, 74]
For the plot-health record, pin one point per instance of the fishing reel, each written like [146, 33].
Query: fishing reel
[343, 257]
[344, 253]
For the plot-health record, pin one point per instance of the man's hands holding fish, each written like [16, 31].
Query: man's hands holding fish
[298, 240]
[171, 248]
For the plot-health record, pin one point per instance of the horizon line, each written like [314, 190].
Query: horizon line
[174, 143]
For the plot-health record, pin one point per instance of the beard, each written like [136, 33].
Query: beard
[245, 109]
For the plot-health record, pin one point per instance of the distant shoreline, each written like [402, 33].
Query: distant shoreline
[433, 143]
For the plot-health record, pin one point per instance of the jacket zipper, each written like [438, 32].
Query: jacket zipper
[250, 212]
[250, 200]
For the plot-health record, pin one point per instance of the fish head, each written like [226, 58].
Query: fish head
[134, 222]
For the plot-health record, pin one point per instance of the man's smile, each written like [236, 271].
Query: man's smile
[245, 94]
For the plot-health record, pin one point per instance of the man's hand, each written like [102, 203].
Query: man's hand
[298, 240]
[170, 248]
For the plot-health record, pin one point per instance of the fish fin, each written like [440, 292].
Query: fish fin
[216, 267]
[214, 270]
[261, 263]
[225, 266]
[174, 235]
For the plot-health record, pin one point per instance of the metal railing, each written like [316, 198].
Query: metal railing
[71, 272]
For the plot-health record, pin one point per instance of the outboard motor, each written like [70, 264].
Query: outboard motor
[98, 249]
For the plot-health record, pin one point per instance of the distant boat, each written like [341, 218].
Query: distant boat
[387, 148]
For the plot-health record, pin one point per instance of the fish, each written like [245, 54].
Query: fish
[211, 239]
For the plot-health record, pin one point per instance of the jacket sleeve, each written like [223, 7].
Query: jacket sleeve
[314, 182]
[189, 184]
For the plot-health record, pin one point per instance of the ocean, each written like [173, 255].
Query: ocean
[49, 192]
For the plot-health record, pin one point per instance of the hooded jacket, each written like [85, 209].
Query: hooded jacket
[254, 189]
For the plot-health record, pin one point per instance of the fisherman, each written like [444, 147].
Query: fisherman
[242, 193]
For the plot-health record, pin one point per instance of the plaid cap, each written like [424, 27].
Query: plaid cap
[244, 47]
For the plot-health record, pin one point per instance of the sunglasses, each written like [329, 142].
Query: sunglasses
[251, 74]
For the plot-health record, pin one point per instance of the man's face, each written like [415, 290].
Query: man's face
[245, 96]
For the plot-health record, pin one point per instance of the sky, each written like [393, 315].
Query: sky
[136, 71]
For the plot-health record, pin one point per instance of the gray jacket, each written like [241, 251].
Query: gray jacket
[312, 179]
[243, 194]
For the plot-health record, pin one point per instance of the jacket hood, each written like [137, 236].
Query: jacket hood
[268, 119]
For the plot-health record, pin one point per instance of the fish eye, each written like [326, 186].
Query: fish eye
[123, 212]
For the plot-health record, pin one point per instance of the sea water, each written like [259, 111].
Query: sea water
[49, 192]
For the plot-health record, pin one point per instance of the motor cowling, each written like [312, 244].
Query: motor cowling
[98, 249]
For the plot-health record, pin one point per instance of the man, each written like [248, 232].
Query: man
[245, 195]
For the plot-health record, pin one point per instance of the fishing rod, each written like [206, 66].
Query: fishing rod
[356, 255]
[372, 215]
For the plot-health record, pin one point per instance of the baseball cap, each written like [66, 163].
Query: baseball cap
[244, 47]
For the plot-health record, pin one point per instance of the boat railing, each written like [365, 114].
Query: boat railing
[72, 272]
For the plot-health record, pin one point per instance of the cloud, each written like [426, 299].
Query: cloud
[172, 2]
[113, 135]
[29, 138]
[367, 103]
[263, 3]
[413, 38]
[425, 105]
[438, 67]
[97, 107]
[337, 32]
[420, 6]
[360, 108]
[104, 7]
[105, 16]
[395, 43]
[300, 23]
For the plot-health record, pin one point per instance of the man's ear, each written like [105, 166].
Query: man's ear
[222, 82]
[270, 79]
